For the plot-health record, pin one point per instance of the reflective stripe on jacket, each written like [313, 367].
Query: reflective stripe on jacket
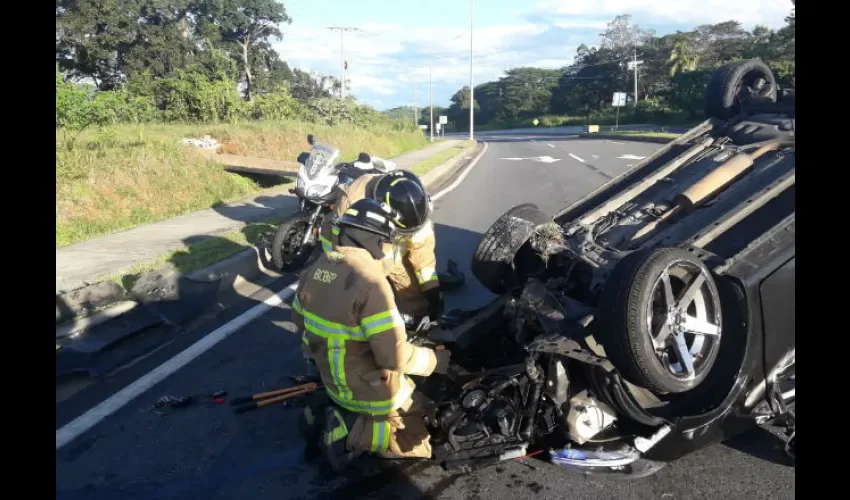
[418, 250]
[355, 335]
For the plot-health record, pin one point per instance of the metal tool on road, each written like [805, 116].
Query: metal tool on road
[243, 404]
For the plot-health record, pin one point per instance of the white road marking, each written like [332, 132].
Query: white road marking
[595, 156]
[462, 176]
[614, 142]
[574, 157]
[107, 407]
[630, 157]
[87, 420]
[550, 145]
[541, 159]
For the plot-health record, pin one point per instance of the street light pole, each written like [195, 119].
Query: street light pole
[431, 97]
[471, 88]
[342, 30]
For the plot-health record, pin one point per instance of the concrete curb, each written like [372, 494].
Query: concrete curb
[626, 138]
[86, 307]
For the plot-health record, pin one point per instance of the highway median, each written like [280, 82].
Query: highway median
[231, 258]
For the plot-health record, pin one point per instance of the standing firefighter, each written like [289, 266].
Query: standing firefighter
[355, 336]
[410, 261]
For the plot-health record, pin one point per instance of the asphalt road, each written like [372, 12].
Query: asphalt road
[206, 451]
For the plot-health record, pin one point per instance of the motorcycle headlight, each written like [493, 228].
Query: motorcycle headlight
[317, 190]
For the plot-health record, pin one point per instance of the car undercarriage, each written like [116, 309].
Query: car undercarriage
[646, 320]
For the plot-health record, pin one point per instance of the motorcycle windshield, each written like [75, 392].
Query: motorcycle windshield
[322, 159]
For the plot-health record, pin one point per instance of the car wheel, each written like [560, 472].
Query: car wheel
[662, 321]
[738, 82]
[493, 260]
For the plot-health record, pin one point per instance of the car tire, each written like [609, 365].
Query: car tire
[733, 83]
[286, 257]
[493, 260]
[636, 312]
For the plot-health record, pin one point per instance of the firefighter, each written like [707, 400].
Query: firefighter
[356, 338]
[410, 262]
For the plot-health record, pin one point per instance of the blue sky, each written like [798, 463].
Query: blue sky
[390, 55]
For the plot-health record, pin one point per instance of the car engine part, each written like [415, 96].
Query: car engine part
[588, 417]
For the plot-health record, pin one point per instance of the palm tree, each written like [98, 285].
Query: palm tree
[682, 57]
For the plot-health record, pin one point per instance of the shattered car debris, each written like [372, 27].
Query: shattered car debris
[651, 318]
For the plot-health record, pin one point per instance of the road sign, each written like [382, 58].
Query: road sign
[423, 127]
[619, 99]
[444, 120]
[437, 125]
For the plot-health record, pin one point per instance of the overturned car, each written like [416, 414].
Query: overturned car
[649, 319]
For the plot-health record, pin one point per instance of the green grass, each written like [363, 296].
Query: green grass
[638, 133]
[661, 117]
[128, 175]
[440, 158]
[200, 255]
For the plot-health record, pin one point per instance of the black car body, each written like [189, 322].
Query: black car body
[693, 246]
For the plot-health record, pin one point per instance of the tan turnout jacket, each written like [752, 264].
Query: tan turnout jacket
[355, 335]
[414, 263]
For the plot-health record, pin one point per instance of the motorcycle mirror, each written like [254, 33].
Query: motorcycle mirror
[310, 139]
[302, 158]
[364, 158]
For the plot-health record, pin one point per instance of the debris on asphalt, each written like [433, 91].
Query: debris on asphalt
[168, 401]
[206, 142]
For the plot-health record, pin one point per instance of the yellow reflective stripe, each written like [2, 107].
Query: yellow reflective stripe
[351, 211]
[381, 322]
[327, 246]
[420, 360]
[304, 338]
[380, 436]
[369, 407]
[336, 361]
[426, 274]
[335, 231]
[339, 432]
[329, 329]
[375, 407]
[296, 306]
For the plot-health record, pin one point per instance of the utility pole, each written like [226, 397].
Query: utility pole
[471, 87]
[342, 30]
[431, 97]
[634, 65]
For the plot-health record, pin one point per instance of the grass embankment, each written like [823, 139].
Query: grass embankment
[200, 255]
[638, 133]
[662, 117]
[128, 175]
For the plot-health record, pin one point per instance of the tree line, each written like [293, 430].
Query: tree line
[672, 77]
[186, 60]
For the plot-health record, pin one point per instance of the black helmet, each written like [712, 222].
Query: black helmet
[405, 194]
[369, 215]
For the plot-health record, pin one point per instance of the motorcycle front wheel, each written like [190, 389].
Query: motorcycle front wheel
[287, 252]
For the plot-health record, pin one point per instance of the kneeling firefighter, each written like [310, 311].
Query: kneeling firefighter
[355, 336]
[410, 262]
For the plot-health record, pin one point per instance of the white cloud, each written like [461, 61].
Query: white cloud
[579, 24]
[689, 12]
[385, 59]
